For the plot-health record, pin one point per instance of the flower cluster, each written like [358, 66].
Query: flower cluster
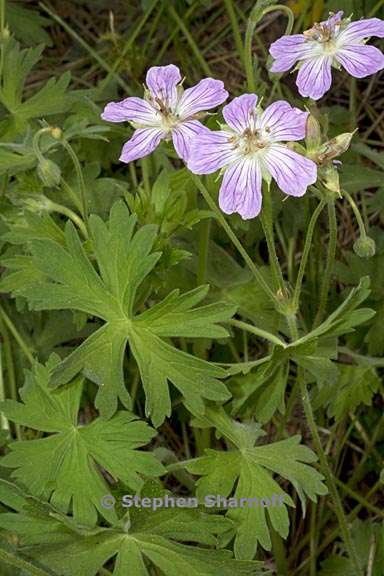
[252, 144]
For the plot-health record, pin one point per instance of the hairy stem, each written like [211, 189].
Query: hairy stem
[304, 257]
[267, 224]
[9, 364]
[203, 251]
[219, 216]
[235, 28]
[60, 209]
[356, 212]
[256, 15]
[326, 470]
[3, 419]
[257, 331]
[80, 177]
[17, 562]
[330, 262]
[13, 330]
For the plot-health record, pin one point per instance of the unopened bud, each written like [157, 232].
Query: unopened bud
[312, 133]
[329, 177]
[364, 247]
[48, 172]
[4, 35]
[56, 133]
[335, 147]
[37, 204]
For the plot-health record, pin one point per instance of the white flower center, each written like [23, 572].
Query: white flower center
[165, 116]
[252, 141]
[325, 35]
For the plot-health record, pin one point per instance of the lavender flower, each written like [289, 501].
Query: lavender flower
[250, 149]
[335, 42]
[166, 111]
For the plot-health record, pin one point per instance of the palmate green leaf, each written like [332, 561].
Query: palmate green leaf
[357, 177]
[261, 392]
[124, 259]
[367, 537]
[348, 272]
[16, 16]
[356, 385]
[246, 472]
[344, 319]
[52, 98]
[147, 538]
[64, 466]
[17, 65]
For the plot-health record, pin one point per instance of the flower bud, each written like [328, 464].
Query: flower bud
[48, 172]
[329, 177]
[4, 35]
[56, 132]
[312, 133]
[38, 204]
[335, 147]
[364, 247]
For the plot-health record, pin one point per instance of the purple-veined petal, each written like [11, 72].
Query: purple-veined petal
[314, 77]
[183, 135]
[360, 60]
[131, 109]
[207, 94]
[287, 50]
[283, 122]
[162, 82]
[211, 150]
[241, 189]
[241, 112]
[142, 143]
[292, 172]
[360, 29]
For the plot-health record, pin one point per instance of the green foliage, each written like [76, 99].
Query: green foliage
[52, 98]
[144, 303]
[64, 467]
[356, 385]
[135, 542]
[367, 536]
[249, 467]
[64, 278]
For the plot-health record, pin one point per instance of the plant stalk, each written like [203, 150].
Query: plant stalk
[326, 470]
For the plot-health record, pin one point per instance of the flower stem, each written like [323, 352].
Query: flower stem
[13, 330]
[10, 369]
[330, 262]
[257, 331]
[235, 28]
[356, 212]
[203, 251]
[376, 8]
[70, 214]
[326, 470]
[256, 15]
[80, 176]
[304, 257]
[232, 236]
[3, 419]
[24, 565]
[2, 38]
[267, 224]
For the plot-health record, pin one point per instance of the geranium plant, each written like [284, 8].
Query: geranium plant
[191, 316]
